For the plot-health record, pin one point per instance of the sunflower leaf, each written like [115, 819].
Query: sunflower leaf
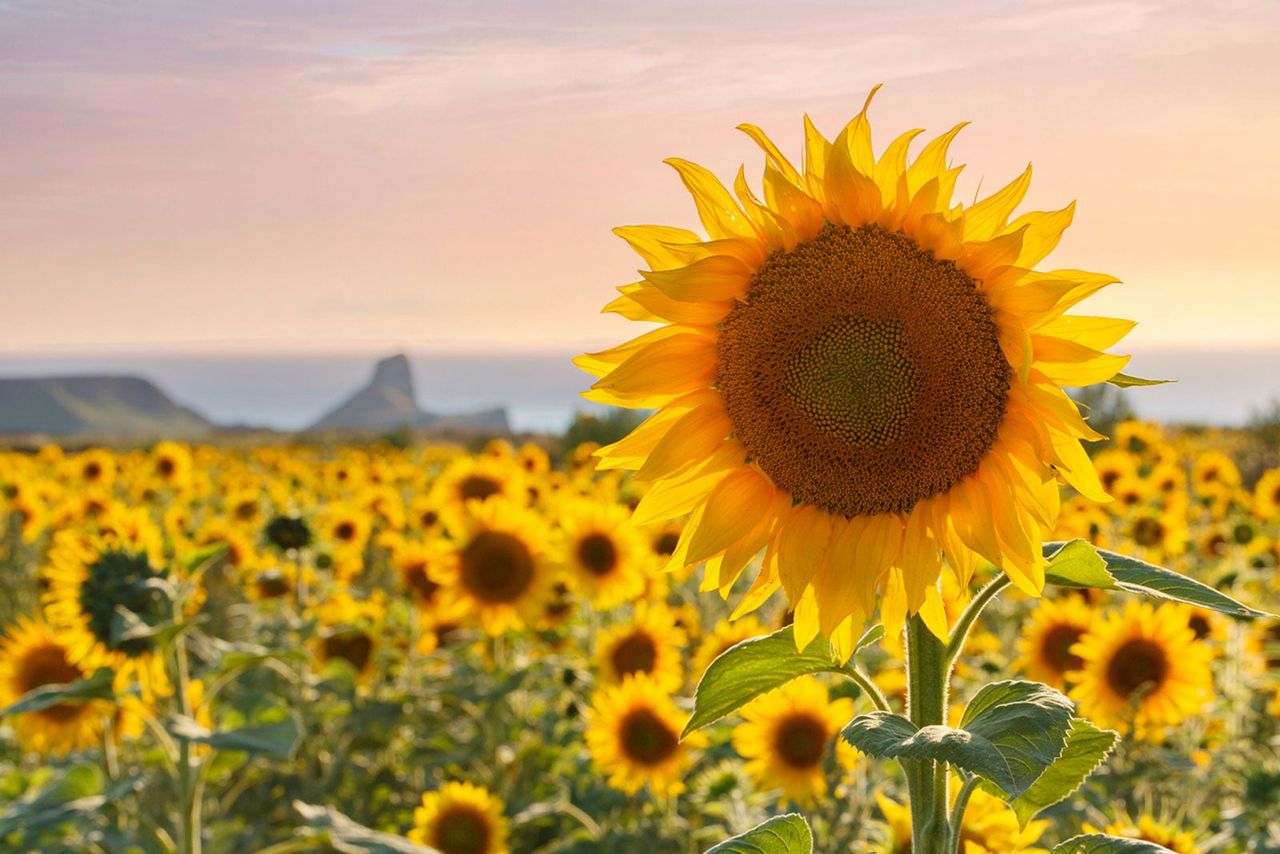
[1011, 732]
[1086, 747]
[99, 686]
[1137, 576]
[1097, 843]
[346, 835]
[1077, 564]
[783, 834]
[1127, 381]
[274, 739]
[749, 669]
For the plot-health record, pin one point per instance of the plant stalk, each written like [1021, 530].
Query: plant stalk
[927, 782]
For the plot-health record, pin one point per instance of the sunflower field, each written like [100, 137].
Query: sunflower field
[366, 648]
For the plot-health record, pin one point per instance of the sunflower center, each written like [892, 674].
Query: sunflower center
[1055, 649]
[800, 740]
[48, 665]
[345, 531]
[1148, 532]
[479, 487]
[646, 738]
[92, 471]
[862, 374]
[461, 830]
[120, 579]
[1200, 625]
[496, 567]
[666, 542]
[288, 532]
[636, 653]
[1137, 664]
[597, 554]
[415, 575]
[354, 647]
[166, 467]
[272, 584]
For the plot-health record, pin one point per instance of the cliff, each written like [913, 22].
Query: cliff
[98, 406]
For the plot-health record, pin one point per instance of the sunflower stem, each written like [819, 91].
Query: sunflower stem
[189, 789]
[957, 815]
[864, 682]
[980, 601]
[927, 782]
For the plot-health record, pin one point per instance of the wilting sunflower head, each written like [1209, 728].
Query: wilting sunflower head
[461, 818]
[288, 533]
[858, 376]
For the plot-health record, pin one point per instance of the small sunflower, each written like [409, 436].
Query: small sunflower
[1138, 437]
[32, 656]
[1266, 495]
[497, 571]
[171, 465]
[785, 737]
[856, 376]
[345, 526]
[350, 630]
[1213, 470]
[479, 478]
[1160, 535]
[607, 558]
[650, 644]
[633, 735]
[461, 818]
[1056, 625]
[1142, 668]
[94, 468]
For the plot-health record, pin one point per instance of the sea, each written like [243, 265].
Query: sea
[541, 391]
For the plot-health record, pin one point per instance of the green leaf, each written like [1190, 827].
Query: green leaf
[1137, 576]
[273, 739]
[749, 669]
[1096, 843]
[95, 687]
[1086, 747]
[346, 835]
[1010, 733]
[1127, 381]
[1077, 564]
[783, 834]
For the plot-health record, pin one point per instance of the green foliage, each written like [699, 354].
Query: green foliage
[1127, 381]
[784, 834]
[327, 825]
[751, 668]
[97, 686]
[1086, 747]
[272, 739]
[603, 429]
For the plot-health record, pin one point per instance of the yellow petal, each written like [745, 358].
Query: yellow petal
[802, 542]
[986, 218]
[816, 152]
[714, 278]
[1044, 230]
[653, 243]
[805, 619]
[847, 634]
[1096, 332]
[677, 496]
[921, 560]
[663, 308]
[674, 366]
[932, 160]
[733, 508]
[893, 603]
[740, 553]
[690, 441]
[720, 214]
[771, 151]
[934, 614]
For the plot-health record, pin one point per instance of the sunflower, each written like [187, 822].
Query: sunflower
[346, 526]
[1114, 465]
[1213, 470]
[856, 376]
[350, 629]
[726, 635]
[1142, 668]
[478, 478]
[607, 558]
[94, 468]
[1149, 829]
[32, 656]
[1160, 535]
[650, 644]
[1168, 479]
[497, 571]
[1138, 437]
[633, 735]
[1266, 495]
[990, 827]
[1047, 639]
[785, 736]
[171, 464]
[461, 818]
[429, 514]
[89, 579]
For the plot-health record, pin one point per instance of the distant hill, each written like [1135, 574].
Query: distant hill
[98, 406]
[388, 402]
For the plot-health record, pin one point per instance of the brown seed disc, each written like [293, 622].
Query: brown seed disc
[861, 373]
[598, 554]
[1055, 648]
[1138, 663]
[496, 567]
[801, 740]
[461, 829]
[48, 665]
[635, 653]
[645, 738]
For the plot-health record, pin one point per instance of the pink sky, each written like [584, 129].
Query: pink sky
[321, 176]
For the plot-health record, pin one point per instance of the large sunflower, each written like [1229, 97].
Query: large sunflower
[32, 656]
[461, 818]
[856, 375]
[1142, 668]
[785, 736]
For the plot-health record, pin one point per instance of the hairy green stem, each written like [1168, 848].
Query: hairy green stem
[957, 815]
[970, 616]
[864, 682]
[927, 782]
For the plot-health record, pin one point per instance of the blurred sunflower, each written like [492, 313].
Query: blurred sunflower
[1159, 534]
[92, 468]
[497, 572]
[1149, 829]
[461, 818]
[88, 581]
[1044, 649]
[633, 735]
[856, 376]
[478, 478]
[171, 465]
[1114, 465]
[785, 736]
[1138, 437]
[607, 557]
[650, 644]
[1212, 470]
[32, 656]
[1142, 669]
[345, 525]
[349, 630]
[1266, 495]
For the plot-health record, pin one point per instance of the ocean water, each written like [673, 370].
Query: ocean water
[541, 390]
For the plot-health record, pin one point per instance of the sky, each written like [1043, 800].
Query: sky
[312, 176]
